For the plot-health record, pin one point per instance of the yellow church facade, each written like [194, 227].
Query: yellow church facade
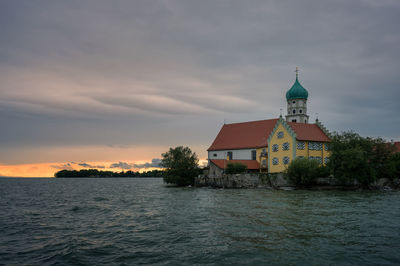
[284, 147]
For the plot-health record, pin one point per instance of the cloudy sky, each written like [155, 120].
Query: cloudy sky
[116, 83]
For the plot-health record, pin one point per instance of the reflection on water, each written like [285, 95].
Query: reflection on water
[133, 221]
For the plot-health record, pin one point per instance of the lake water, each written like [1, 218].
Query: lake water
[141, 221]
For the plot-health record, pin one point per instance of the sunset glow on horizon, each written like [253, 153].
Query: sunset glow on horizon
[49, 169]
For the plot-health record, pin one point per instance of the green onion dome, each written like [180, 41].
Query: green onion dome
[296, 91]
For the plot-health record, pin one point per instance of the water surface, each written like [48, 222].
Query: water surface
[141, 221]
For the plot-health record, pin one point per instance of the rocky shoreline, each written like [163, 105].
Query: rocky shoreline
[278, 181]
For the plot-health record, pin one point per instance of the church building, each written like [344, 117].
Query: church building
[270, 145]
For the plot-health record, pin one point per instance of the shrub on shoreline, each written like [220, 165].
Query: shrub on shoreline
[235, 168]
[303, 172]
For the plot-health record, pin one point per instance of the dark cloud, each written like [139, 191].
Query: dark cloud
[122, 165]
[86, 165]
[66, 166]
[166, 72]
[154, 163]
[126, 166]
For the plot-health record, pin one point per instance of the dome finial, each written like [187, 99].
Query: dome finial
[297, 72]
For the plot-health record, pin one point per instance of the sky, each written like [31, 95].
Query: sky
[114, 84]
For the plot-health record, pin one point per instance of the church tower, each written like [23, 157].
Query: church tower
[297, 102]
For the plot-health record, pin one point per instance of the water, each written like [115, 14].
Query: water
[140, 221]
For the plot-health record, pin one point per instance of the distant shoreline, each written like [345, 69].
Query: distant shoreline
[81, 177]
[94, 173]
[108, 177]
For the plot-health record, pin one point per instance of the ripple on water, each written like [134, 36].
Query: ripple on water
[140, 221]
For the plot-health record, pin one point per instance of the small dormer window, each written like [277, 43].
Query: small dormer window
[300, 111]
[294, 102]
[280, 134]
[294, 111]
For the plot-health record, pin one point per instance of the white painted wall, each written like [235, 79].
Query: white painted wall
[242, 154]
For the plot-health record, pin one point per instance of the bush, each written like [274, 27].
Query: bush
[235, 168]
[303, 172]
[181, 166]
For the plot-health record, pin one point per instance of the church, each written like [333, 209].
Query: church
[270, 145]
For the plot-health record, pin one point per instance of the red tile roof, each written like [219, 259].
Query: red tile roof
[397, 146]
[254, 134]
[251, 164]
[243, 135]
[308, 132]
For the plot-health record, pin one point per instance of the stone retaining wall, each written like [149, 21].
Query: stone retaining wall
[277, 181]
[246, 180]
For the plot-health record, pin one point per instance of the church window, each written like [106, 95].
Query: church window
[311, 145]
[294, 102]
[275, 161]
[286, 160]
[315, 146]
[294, 111]
[300, 111]
[253, 155]
[326, 146]
[300, 145]
[326, 160]
[275, 147]
[280, 134]
[264, 163]
[319, 146]
[285, 146]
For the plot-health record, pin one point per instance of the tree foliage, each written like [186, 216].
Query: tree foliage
[303, 172]
[235, 168]
[355, 158]
[181, 166]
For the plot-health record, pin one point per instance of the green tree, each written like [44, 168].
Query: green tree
[235, 168]
[350, 158]
[393, 166]
[363, 159]
[303, 172]
[383, 159]
[181, 166]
